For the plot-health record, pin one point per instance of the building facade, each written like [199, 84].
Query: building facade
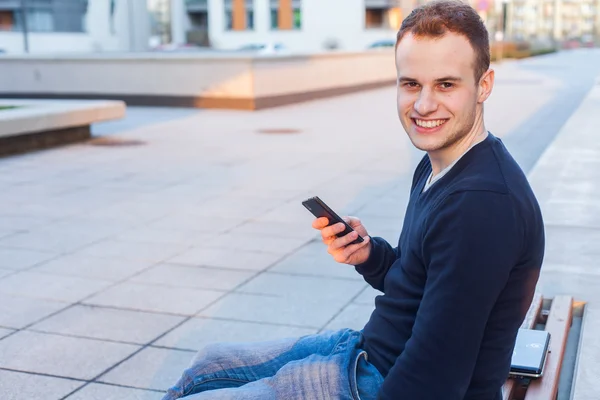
[557, 20]
[300, 25]
[53, 26]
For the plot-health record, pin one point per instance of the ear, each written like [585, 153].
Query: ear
[486, 84]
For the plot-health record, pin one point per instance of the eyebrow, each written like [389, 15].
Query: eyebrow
[444, 79]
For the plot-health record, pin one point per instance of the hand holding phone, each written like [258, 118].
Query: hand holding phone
[347, 239]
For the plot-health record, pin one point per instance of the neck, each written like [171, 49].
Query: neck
[442, 158]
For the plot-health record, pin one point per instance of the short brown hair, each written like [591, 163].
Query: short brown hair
[438, 17]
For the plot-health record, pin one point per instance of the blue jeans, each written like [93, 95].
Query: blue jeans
[329, 365]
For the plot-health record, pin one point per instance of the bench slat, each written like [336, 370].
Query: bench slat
[528, 323]
[558, 324]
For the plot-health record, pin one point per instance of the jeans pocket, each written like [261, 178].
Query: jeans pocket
[365, 379]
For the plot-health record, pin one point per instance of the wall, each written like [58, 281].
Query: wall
[285, 75]
[339, 20]
[127, 75]
[209, 80]
[12, 42]
[129, 32]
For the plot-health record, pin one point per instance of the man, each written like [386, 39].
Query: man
[457, 286]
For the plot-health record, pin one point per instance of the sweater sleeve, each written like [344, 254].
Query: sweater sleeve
[380, 260]
[470, 244]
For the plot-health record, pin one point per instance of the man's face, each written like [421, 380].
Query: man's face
[439, 101]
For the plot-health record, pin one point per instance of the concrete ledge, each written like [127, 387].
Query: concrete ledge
[39, 124]
[232, 103]
[10, 145]
[188, 80]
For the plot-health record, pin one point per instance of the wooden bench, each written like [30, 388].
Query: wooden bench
[558, 322]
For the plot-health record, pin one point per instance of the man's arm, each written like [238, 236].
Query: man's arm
[470, 244]
[380, 260]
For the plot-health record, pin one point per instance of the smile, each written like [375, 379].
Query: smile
[434, 123]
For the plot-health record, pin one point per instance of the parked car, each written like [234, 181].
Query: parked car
[382, 44]
[264, 48]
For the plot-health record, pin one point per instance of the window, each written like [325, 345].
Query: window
[159, 13]
[374, 18]
[296, 14]
[249, 19]
[199, 20]
[383, 18]
[47, 17]
[7, 20]
[228, 4]
[37, 21]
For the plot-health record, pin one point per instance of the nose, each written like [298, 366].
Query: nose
[426, 103]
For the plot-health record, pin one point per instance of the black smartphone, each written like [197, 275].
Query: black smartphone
[319, 209]
[529, 354]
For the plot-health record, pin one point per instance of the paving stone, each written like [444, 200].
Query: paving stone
[568, 245]
[60, 355]
[4, 332]
[160, 236]
[109, 324]
[20, 222]
[18, 386]
[105, 268]
[234, 206]
[51, 239]
[187, 221]
[355, 316]
[367, 297]
[312, 311]
[6, 272]
[292, 212]
[193, 277]
[6, 232]
[151, 368]
[225, 258]
[196, 333]
[133, 251]
[18, 312]
[275, 229]
[319, 264]
[143, 297]
[101, 227]
[301, 287]
[18, 259]
[98, 391]
[257, 243]
[51, 287]
[572, 212]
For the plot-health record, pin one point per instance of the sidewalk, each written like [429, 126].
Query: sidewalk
[567, 182]
[118, 263]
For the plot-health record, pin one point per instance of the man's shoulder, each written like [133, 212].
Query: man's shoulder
[492, 169]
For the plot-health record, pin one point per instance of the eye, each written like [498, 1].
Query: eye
[411, 85]
[447, 85]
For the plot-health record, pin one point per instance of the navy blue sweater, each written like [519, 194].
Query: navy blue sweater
[459, 283]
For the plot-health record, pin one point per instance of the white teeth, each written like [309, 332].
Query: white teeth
[429, 124]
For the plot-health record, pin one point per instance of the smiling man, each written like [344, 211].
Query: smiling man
[459, 282]
[457, 285]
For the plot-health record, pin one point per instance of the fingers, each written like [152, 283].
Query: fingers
[343, 241]
[320, 223]
[343, 254]
[332, 231]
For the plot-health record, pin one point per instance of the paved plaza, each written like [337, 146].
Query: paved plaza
[121, 257]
